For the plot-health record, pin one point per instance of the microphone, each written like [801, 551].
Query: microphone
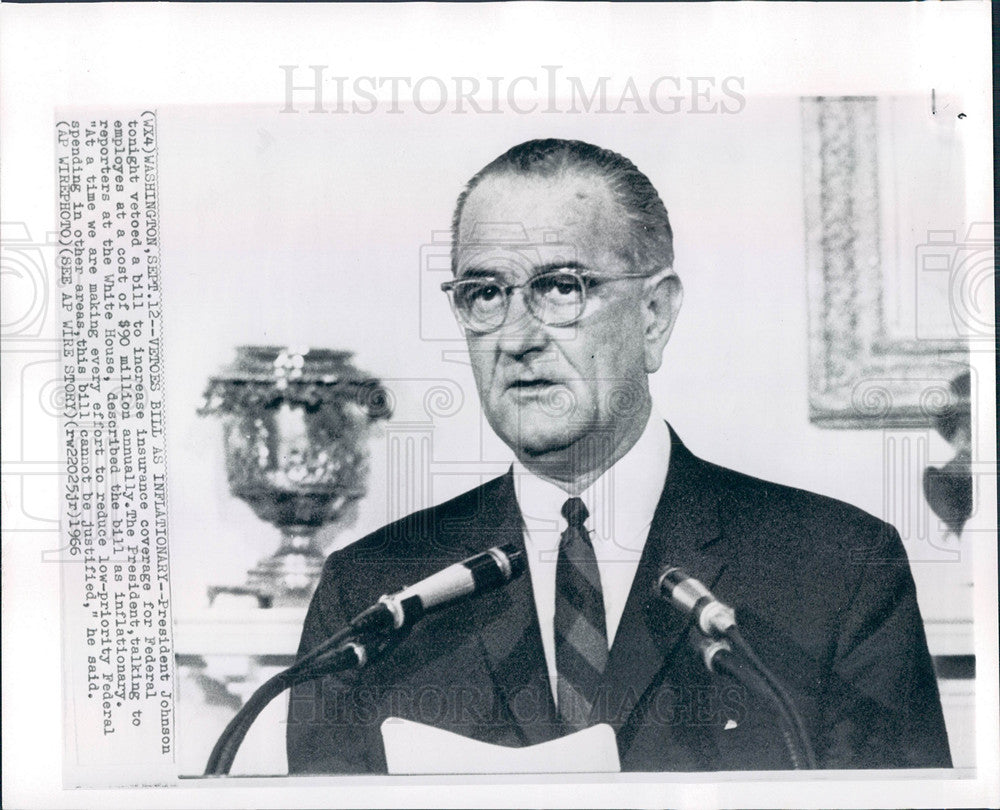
[717, 623]
[713, 618]
[478, 574]
[371, 633]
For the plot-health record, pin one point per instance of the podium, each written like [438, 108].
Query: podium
[414, 748]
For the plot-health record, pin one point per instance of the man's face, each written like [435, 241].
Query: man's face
[545, 389]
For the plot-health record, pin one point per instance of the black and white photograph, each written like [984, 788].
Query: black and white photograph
[606, 421]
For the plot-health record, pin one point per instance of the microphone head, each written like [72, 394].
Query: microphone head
[511, 560]
[691, 597]
[669, 580]
[708, 648]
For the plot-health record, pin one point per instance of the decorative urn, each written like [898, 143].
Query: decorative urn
[295, 425]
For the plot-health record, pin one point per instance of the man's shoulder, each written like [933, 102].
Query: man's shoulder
[746, 490]
[486, 502]
[776, 511]
[799, 562]
[426, 540]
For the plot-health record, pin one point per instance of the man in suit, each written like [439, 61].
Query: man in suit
[563, 283]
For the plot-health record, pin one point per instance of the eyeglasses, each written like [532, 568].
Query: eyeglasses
[556, 297]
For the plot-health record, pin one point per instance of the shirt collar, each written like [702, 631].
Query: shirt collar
[621, 501]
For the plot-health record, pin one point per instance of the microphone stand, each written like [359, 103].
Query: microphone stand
[342, 651]
[747, 669]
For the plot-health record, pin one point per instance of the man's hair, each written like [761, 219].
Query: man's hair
[651, 246]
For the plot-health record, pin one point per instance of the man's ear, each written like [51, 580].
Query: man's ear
[660, 305]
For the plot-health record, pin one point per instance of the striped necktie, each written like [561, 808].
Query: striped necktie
[580, 629]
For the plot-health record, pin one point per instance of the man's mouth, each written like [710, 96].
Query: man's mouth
[532, 389]
[531, 385]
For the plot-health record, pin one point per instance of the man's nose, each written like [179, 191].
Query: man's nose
[521, 331]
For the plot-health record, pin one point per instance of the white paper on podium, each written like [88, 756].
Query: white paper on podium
[415, 748]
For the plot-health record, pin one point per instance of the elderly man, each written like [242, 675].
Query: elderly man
[563, 283]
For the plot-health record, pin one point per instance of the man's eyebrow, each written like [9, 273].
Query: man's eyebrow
[570, 264]
[536, 270]
[479, 272]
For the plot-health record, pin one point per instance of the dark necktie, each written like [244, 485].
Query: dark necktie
[580, 630]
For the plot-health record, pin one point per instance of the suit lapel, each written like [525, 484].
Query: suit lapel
[685, 532]
[507, 622]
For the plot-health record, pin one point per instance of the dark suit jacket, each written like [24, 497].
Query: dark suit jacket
[823, 593]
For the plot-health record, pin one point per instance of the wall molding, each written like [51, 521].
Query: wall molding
[859, 376]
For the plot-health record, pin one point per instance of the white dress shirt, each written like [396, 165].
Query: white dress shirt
[621, 504]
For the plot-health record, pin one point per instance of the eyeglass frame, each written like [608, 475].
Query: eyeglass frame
[449, 288]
